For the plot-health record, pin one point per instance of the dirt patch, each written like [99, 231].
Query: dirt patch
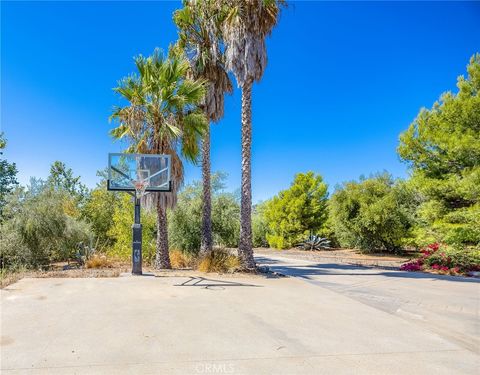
[348, 256]
[13, 277]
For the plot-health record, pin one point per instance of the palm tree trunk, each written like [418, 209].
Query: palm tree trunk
[245, 251]
[207, 240]
[162, 257]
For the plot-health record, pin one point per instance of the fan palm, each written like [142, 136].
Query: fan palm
[162, 117]
[199, 37]
[247, 24]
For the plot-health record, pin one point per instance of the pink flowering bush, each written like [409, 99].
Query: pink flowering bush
[444, 259]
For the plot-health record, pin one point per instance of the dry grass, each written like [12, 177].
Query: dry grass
[8, 278]
[98, 261]
[97, 266]
[219, 260]
[13, 277]
[179, 260]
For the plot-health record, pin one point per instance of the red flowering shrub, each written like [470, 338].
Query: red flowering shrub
[449, 260]
[411, 266]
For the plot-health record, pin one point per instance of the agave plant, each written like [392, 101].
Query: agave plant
[314, 242]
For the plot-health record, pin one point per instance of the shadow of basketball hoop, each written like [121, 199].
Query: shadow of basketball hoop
[213, 284]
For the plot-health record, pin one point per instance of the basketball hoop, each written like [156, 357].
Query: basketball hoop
[142, 174]
[140, 187]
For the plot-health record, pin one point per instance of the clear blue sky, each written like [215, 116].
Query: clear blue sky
[343, 80]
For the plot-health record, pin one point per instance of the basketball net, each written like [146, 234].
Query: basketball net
[140, 187]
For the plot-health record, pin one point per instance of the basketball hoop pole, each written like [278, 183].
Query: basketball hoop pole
[137, 239]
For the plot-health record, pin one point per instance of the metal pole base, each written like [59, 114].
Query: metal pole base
[137, 249]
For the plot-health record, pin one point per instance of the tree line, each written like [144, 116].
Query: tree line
[171, 100]
[438, 203]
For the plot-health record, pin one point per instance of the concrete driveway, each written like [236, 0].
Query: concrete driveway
[206, 325]
[446, 305]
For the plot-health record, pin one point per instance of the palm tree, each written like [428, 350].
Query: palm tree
[245, 28]
[199, 37]
[162, 117]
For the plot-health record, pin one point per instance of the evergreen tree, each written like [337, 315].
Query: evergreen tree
[442, 147]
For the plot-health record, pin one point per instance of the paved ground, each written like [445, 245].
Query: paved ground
[194, 325]
[447, 305]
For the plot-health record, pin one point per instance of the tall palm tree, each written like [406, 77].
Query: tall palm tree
[245, 28]
[199, 37]
[162, 117]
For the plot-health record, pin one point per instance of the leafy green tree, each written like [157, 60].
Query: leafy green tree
[377, 213]
[185, 220]
[98, 210]
[226, 219]
[121, 231]
[297, 211]
[200, 38]
[8, 176]
[246, 26]
[39, 231]
[442, 147]
[259, 226]
[62, 178]
[162, 117]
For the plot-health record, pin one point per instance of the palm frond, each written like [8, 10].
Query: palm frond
[163, 112]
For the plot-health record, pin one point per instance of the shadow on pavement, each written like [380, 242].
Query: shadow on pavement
[212, 284]
[329, 269]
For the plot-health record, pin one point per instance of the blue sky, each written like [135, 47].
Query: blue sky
[343, 80]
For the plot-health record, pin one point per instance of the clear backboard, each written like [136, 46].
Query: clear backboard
[139, 172]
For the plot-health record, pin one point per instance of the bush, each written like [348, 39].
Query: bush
[8, 176]
[38, 230]
[180, 260]
[13, 252]
[99, 210]
[185, 220]
[259, 226]
[445, 259]
[297, 211]
[463, 260]
[219, 260]
[226, 219]
[98, 261]
[374, 214]
[121, 231]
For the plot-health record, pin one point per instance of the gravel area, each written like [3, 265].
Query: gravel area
[346, 256]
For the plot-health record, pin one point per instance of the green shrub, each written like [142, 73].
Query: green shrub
[445, 259]
[226, 219]
[98, 210]
[463, 259]
[373, 214]
[297, 211]
[278, 241]
[38, 230]
[13, 252]
[8, 176]
[121, 231]
[185, 220]
[259, 226]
